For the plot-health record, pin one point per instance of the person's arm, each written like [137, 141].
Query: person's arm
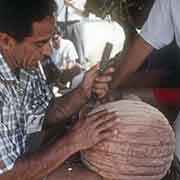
[63, 107]
[38, 165]
[86, 133]
[70, 3]
[131, 61]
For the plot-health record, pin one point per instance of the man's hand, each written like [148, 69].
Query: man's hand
[88, 81]
[101, 83]
[94, 128]
[96, 82]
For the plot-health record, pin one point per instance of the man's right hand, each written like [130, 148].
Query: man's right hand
[94, 128]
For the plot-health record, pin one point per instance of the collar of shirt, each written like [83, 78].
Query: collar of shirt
[22, 109]
[7, 76]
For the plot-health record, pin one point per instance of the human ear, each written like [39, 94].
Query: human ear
[6, 41]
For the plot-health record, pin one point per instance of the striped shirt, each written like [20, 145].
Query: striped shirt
[23, 103]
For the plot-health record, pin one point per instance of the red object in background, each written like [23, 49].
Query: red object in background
[167, 96]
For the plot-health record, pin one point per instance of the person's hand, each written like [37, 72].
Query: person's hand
[101, 83]
[88, 81]
[93, 129]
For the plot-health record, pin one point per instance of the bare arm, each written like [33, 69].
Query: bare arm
[86, 133]
[131, 61]
[63, 107]
[40, 164]
[70, 4]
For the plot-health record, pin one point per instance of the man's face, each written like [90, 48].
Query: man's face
[36, 47]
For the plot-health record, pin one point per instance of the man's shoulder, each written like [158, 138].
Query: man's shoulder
[66, 45]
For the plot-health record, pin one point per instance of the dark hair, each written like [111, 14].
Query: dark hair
[17, 16]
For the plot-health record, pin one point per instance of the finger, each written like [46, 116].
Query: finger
[107, 134]
[93, 69]
[109, 70]
[100, 93]
[89, 78]
[92, 74]
[101, 86]
[109, 116]
[97, 115]
[108, 124]
[104, 79]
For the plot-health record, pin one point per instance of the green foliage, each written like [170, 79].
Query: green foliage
[118, 9]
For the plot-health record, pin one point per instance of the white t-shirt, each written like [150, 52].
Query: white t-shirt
[163, 24]
[65, 54]
[72, 13]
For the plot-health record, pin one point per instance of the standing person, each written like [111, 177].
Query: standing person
[160, 29]
[27, 32]
[162, 62]
[70, 13]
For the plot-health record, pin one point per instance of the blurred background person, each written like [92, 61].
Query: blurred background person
[70, 13]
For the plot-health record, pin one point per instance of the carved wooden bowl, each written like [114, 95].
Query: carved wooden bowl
[142, 149]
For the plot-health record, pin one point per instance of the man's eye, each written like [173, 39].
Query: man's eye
[39, 45]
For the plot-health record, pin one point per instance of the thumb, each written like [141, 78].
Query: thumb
[93, 71]
[84, 112]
